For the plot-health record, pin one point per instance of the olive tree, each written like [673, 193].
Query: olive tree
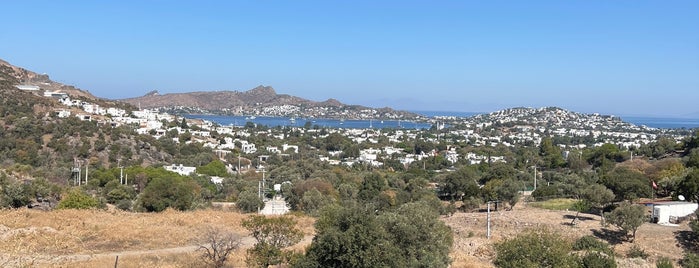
[627, 217]
[273, 235]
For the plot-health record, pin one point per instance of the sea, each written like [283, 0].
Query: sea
[663, 122]
[225, 120]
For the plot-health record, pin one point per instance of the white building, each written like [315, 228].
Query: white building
[182, 170]
[670, 212]
[28, 87]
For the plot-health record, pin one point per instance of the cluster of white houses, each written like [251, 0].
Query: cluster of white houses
[151, 122]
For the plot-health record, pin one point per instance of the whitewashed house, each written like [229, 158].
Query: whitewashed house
[182, 170]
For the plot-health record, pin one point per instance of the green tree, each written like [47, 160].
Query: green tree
[176, 192]
[509, 192]
[77, 199]
[350, 236]
[693, 158]
[461, 184]
[249, 202]
[689, 186]
[273, 235]
[627, 184]
[551, 154]
[535, 248]
[420, 237]
[627, 217]
[598, 196]
[353, 235]
[214, 168]
[313, 200]
[605, 156]
[14, 195]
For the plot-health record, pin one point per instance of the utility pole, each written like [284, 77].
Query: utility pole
[535, 177]
[79, 172]
[87, 165]
[487, 234]
[263, 183]
[259, 189]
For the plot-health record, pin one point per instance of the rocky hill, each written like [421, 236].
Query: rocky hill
[217, 100]
[19, 75]
[261, 100]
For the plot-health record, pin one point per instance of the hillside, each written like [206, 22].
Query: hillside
[23, 76]
[261, 100]
[170, 238]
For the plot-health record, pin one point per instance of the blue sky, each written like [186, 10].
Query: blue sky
[612, 57]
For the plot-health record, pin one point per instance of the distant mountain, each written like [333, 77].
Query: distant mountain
[261, 100]
[216, 100]
[23, 76]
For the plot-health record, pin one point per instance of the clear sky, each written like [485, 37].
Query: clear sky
[612, 57]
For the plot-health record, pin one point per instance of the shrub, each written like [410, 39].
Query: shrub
[690, 260]
[217, 245]
[598, 260]
[470, 204]
[664, 262]
[77, 199]
[591, 243]
[538, 248]
[636, 252]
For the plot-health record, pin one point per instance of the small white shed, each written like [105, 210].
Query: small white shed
[668, 212]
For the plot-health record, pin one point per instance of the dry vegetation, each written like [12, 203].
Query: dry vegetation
[472, 249]
[71, 238]
[79, 238]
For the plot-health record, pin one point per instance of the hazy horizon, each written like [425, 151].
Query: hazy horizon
[620, 58]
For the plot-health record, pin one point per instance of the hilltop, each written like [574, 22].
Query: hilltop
[261, 100]
[19, 75]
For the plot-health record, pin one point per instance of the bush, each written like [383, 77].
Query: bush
[538, 248]
[175, 192]
[77, 199]
[217, 245]
[591, 243]
[664, 262]
[598, 260]
[690, 260]
[470, 204]
[636, 252]
[124, 205]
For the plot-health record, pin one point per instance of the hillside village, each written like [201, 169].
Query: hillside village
[511, 127]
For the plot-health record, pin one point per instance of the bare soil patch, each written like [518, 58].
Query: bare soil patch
[93, 238]
[473, 249]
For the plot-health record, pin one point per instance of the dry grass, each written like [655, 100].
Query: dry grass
[71, 238]
[472, 249]
[92, 238]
